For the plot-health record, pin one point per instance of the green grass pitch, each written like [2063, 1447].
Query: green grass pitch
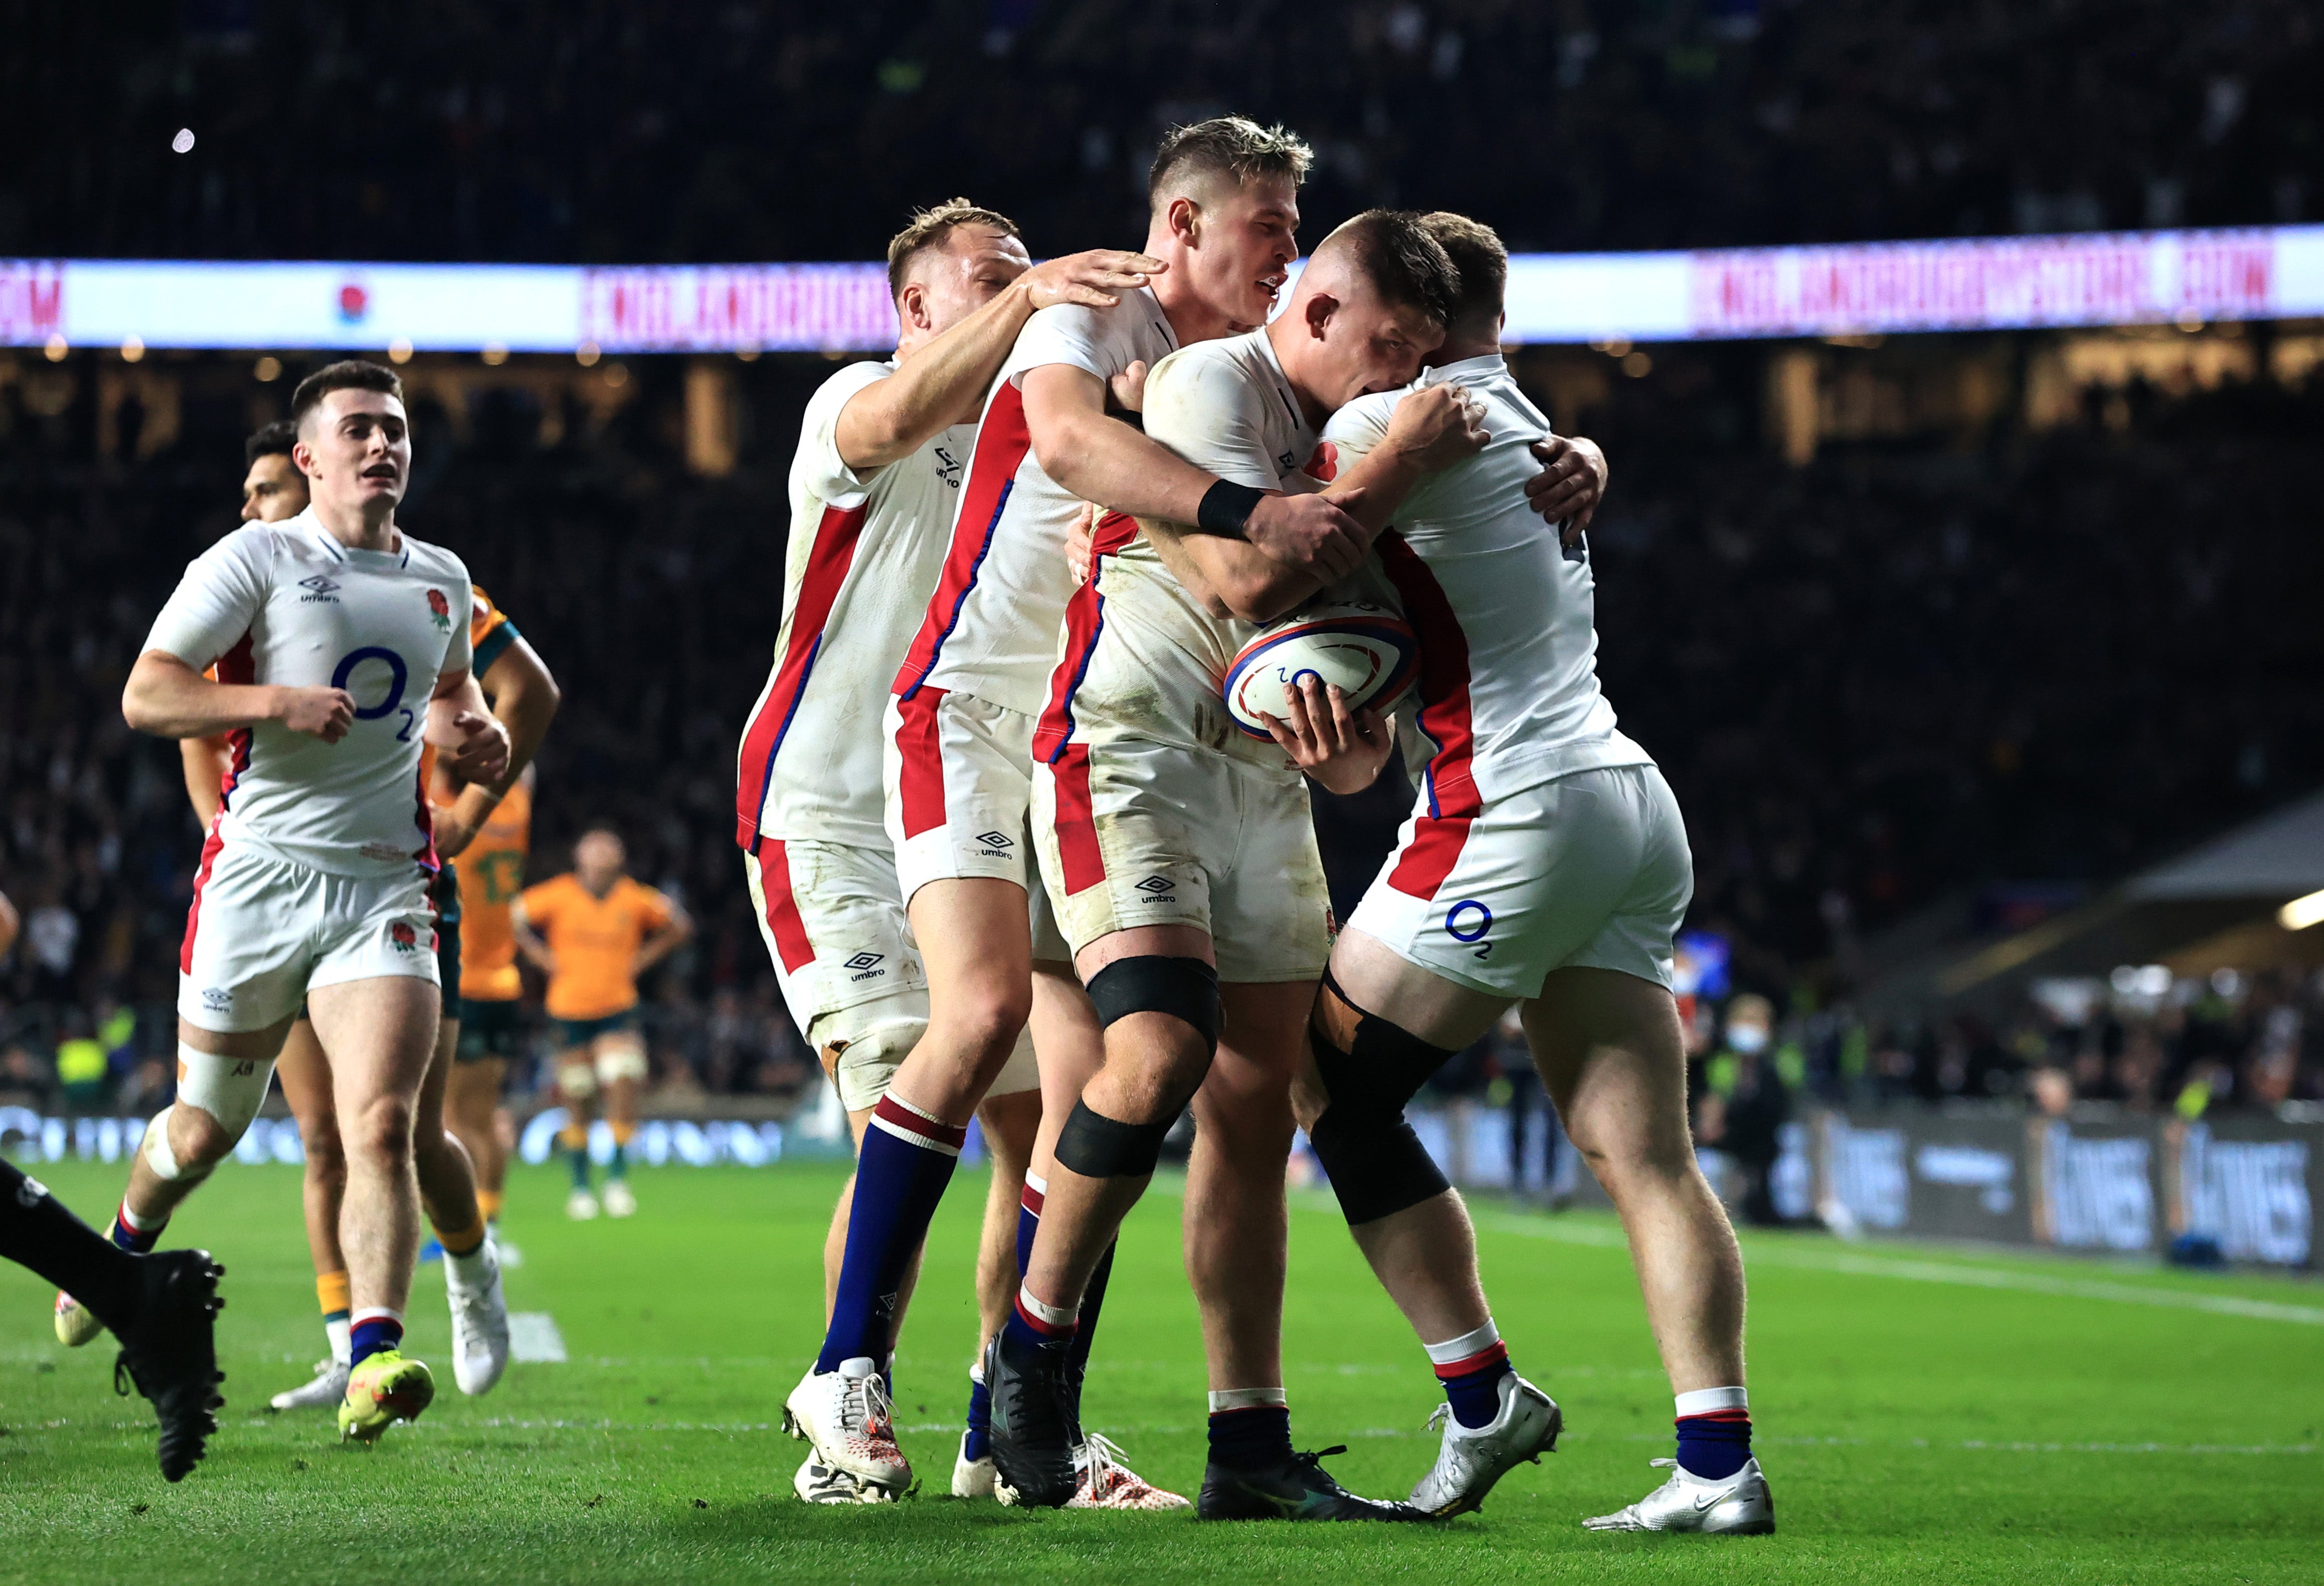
[1923, 1416]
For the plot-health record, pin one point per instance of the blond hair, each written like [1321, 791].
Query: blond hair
[932, 228]
[1227, 145]
[1481, 261]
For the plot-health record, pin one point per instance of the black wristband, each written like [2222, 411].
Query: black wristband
[1226, 508]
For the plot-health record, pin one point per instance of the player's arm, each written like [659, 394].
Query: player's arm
[536, 952]
[1432, 429]
[1101, 458]
[168, 698]
[893, 417]
[203, 762]
[525, 699]
[663, 941]
[7, 925]
[473, 742]
[1572, 481]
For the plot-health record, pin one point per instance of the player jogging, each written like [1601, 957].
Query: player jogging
[1546, 863]
[593, 932]
[339, 649]
[1182, 858]
[875, 487]
[957, 754]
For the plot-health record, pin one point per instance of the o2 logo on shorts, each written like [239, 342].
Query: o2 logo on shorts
[392, 704]
[1467, 922]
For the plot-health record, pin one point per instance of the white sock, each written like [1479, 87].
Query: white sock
[1702, 1401]
[338, 1327]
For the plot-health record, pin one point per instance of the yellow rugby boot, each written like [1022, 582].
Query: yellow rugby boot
[76, 1323]
[384, 1389]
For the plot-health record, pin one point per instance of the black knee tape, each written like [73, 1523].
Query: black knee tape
[1099, 1147]
[1377, 1164]
[1182, 988]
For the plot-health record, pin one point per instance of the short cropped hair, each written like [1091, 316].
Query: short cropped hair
[272, 440]
[346, 375]
[1228, 145]
[932, 228]
[1403, 260]
[1478, 258]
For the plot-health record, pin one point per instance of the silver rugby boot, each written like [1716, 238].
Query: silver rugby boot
[1738, 1506]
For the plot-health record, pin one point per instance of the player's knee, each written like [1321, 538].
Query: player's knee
[621, 1057]
[577, 1077]
[862, 1046]
[217, 1097]
[1367, 1069]
[381, 1129]
[1185, 988]
[986, 1019]
[1097, 1147]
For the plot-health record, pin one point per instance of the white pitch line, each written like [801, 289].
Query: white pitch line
[533, 1336]
[1910, 1271]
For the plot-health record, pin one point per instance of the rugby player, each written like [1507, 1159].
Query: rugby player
[1181, 856]
[594, 932]
[339, 653]
[1544, 864]
[875, 485]
[957, 758]
[274, 490]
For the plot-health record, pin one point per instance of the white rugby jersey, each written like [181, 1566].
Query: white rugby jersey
[1142, 655]
[992, 627]
[1505, 613]
[287, 603]
[865, 550]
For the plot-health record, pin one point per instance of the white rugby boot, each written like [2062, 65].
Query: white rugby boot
[480, 1322]
[817, 1483]
[329, 1388]
[581, 1205]
[619, 1201]
[972, 1478]
[1738, 1506]
[76, 1323]
[1105, 1482]
[845, 1414]
[1470, 1459]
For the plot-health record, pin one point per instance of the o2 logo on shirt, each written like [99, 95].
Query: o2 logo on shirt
[343, 675]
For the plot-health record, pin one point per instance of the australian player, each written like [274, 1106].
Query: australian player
[339, 651]
[875, 485]
[595, 933]
[1546, 865]
[1182, 858]
[958, 757]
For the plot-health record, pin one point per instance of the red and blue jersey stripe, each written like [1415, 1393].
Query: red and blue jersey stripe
[1002, 442]
[836, 536]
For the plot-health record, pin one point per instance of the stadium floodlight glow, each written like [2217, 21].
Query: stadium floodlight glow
[2302, 912]
[1857, 291]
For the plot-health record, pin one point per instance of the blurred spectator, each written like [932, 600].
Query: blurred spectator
[1746, 1103]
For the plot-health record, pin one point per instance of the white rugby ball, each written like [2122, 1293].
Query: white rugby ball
[1368, 650]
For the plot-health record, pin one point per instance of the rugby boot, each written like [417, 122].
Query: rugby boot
[970, 1477]
[384, 1389]
[1106, 1482]
[329, 1388]
[1470, 1460]
[1032, 1425]
[1738, 1506]
[846, 1416]
[817, 1482]
[76, 1323]
[168, 1352]
[1297, 1488]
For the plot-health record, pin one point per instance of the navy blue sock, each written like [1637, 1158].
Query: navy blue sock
[374, 1331]
[1028, 1331]
[1714, 1447]
[1252, 1439]
[1476, 1395]
[979, 1441]
[900, 1175]
[134, 1240]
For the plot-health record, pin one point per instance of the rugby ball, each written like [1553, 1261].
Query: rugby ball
[1367, 649]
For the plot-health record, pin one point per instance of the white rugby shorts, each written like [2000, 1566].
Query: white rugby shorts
[1134, 833]
[264, 931]
[1589, 871]
[832, 918]
[958, 773]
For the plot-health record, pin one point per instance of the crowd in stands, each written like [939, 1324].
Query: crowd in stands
[1872, 680]
[608, 131]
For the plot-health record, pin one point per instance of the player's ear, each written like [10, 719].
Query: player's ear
[1185, 220]
[1320, 309]
[302, 457]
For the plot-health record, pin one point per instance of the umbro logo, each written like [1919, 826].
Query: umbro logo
[864, 961]
[1154, 884]
[1159, 890]
[320, 590]
[996, 841]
